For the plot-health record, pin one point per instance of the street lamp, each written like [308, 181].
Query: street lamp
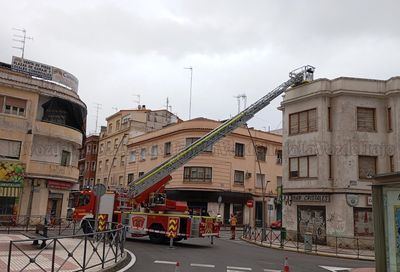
[191, 83]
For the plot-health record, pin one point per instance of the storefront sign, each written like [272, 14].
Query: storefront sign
[61, 185]
[11, 172]
[250, 203]
[44, 71]
[311, 198]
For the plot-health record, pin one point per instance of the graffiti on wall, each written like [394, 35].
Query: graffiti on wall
[312, 220]
[11, 172]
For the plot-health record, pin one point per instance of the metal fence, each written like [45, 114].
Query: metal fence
[67, 247]
[339, 246]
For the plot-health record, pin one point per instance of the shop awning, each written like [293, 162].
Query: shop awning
[10, 191]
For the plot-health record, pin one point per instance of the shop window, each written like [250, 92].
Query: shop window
[363, 222]
[366, 119]
[197, 174]
[167, 148]
[10, 149]
[303, 122]
[238, 177]
[366, 166]
[239, 150]
[65, 158]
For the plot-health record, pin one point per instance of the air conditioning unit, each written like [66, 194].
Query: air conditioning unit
[248, 175]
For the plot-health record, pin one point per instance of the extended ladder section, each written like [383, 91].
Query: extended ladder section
[152, 177]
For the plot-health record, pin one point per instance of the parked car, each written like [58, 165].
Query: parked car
[276, 224]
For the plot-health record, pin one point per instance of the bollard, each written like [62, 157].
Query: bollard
[171, 242]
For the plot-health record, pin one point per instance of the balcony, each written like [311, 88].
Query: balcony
[57, 131]
[49, 170]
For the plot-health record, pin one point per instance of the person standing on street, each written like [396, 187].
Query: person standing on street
[233, 222]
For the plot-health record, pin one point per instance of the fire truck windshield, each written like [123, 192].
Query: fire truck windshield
[83, 200]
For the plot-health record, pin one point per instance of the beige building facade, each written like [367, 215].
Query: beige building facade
[125, 124]
[227, 170]
[337, 135]
[41, 128]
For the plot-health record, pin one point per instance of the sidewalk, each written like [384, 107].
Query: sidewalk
[69, 254]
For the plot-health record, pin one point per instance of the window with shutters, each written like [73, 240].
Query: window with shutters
[130, 177]
[261, 153]
[260, 180]
[12, 105]
[197, 174]
[167, 149]
[303, 167]
[279, 156]
[66, 157]
[154, 151]
[142, 154]
[303, 122]
[238, 177]
[366, 119]
[239, 150]
[366, 166]
[10, 149]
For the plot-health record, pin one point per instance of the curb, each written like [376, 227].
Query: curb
[326, 254]
[127, 262]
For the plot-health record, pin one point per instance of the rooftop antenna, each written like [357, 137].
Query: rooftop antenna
[137, 99]
[244, 99]
[98, 107]
[167, 105]
[115, 108]
[21, 39]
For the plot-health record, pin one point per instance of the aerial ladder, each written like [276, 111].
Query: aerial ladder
[142, 189]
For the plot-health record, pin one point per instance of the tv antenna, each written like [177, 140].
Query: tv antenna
[137, 99]
[98, 107]
[244, 99]
[168, 106]
[21, 39]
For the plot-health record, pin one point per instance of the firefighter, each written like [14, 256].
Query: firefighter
[233, 222]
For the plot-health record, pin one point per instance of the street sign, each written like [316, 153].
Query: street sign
[99, 189]
[250, 203]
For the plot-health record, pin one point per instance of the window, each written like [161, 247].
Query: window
[389, 119]
[132, 156]
[261, 153]
[143, 154]
[12, 105]
[116, 143]
[109, 128]
[303, 167]
[154, 151]
[101, 148]
[330, 166]
[239, 150]
[141, 174]
[65, 158]
[94, 150]
[366, 166]
[105, 181]
[108, 145]
[106, 164]
[366, 119]
[391, 161]
[117, 125]
[93, 166]
[130, 177]
[167, 148]
[279, 156]
[363, 222]
[88, 149]
[303, 122]
[329, 119]
[238, 178]
[100, 163]
[260, 181]
[87, 166]
[122, 160]
[197, 174]
[10, 149]
[191, 140]
[120, 179]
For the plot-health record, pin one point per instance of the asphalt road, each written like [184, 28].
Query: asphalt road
[197, 255]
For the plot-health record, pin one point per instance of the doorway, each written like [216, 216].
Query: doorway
[54, 206]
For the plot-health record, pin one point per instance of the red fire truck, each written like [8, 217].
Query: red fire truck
[145, 208]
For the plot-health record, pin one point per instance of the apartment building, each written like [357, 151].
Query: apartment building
[337, 135]
[228, 170]
[41, 129]
[88, 161]
[125, 124]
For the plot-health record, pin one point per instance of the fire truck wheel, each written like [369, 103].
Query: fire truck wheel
[157, 237]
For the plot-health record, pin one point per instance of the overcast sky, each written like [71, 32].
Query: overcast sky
[121, 48]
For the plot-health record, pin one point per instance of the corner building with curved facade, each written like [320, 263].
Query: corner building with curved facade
[41, 128]
[227, 170]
